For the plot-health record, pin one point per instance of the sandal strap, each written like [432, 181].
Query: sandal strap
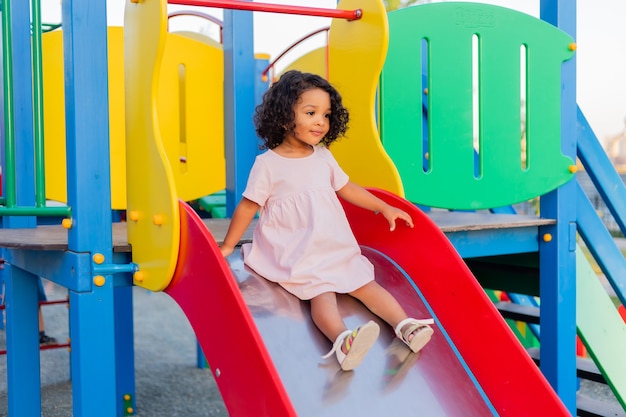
[337, 345]
[415, 324]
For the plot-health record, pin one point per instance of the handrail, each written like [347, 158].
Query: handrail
[293, 45]
[272, 8]
[601, 171]
[613, 192]
[205, 16]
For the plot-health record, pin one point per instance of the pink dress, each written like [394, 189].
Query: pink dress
[303, 240]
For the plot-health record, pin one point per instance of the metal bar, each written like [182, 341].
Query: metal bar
[43, 303]
[45, 347]
[35, 211]
[40, 180]
[273, 8]
[290, 47]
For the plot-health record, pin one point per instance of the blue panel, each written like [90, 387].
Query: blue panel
[68, 269]
[24, 396]
[239, 101]
[471, 244]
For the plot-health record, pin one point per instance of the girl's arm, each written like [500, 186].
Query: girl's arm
[242, 217]
[359, 196]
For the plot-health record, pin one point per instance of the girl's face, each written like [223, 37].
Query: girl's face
[312, 118]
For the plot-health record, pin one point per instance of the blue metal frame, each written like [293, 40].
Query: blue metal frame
[239, 92]
[557, 257]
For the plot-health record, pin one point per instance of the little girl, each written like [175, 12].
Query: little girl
[303, 240]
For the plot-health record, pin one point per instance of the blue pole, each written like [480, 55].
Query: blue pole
[239, 102]
[558, 255]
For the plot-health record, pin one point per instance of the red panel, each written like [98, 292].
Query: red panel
[502, 367]
[205, 289]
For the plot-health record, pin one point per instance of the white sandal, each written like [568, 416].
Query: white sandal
[423, 332]
[358, 343]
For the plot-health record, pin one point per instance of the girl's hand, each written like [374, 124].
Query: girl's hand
[226, 250]
[392, 213]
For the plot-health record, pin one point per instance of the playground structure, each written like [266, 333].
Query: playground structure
[92, 257]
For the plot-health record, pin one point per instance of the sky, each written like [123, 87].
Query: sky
[601, 35]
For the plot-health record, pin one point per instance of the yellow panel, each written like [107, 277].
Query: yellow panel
[200, 139]
[153, 216]
[357, 54]
[191, 115]
[313, 62]
[54, 116]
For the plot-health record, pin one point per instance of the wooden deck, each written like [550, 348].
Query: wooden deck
[54, 238]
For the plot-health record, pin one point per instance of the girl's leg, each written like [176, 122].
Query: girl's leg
[380, 302]
[325, 314]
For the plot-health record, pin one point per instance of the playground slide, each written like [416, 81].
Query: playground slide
[265, 352]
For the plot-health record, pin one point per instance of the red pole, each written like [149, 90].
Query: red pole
[272, 8]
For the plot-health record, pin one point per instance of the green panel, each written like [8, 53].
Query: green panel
[600, 327]
[471, 54]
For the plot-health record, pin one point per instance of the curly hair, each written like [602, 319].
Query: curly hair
[275, 116]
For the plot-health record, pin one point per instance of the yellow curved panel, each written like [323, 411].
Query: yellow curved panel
[153, 213]
[362, 41]
[190, 107]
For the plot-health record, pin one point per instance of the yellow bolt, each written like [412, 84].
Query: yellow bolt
[133, 215]
[129, 410]
[139, 276]
[426, 90]
[66, 223]
[98, 258]
[126, 397]
[573, 169]
[157, 219]
[547, 237]
[99, 280]
[572, 46]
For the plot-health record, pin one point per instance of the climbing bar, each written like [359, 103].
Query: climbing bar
[62, 211]
[44, 347]
[271, 8]
[36, 56]
[290, 47]
[43, 303]
[110, 269]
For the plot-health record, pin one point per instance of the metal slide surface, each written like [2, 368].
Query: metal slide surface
[265, 352]
[431, 383]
